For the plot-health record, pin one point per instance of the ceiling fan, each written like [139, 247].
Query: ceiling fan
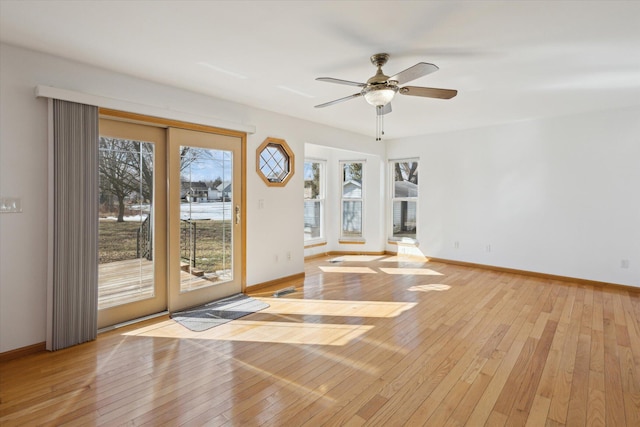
[380, 89]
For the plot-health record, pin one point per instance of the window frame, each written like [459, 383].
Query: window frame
[320, 200]
[288, 159]
[393, 199]
[352, 238]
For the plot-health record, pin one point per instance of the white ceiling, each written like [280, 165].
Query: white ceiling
[509, 60]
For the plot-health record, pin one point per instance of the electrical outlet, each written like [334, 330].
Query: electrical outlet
[624, 263]
[288, 256]
[488, 248]
[276, 258]
[456, 244]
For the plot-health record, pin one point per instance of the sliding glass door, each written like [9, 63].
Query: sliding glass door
[131, 222]
[170, 219]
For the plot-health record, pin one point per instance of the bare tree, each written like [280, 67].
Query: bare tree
[119, 175]
[190, 155]
[126, 168]
[406, 171]
[312, 181]
[352, 172]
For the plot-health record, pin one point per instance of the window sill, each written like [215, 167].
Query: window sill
[352, 241]
[403, 241]
[312, 244]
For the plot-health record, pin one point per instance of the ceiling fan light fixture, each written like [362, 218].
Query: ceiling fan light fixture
[379, 95]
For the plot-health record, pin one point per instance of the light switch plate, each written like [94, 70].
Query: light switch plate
[10, 205]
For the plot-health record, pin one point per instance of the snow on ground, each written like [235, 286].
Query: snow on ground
[213, 210]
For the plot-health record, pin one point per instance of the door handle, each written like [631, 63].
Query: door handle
[237, 214]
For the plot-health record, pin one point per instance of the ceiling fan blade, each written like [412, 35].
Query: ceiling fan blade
[385, 109]
[412, 73]
[340, 82]
[336, 101]
[428, 92]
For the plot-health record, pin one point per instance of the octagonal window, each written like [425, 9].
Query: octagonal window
[274, 162]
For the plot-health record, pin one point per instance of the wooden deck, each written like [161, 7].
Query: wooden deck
[379, 342]
[128, 281]
[123, 282]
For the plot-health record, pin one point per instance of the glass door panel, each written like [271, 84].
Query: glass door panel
[130, 214]
[206, 215]
[125, 223]
[205, 210]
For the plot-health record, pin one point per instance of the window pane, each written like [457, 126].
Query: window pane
[312, 219]
[125, 227]
[206, 217]
[352, 218]
[313, 203]
[274, 163]
[405, 179]
[352, 180]
[311, 180]
[404, 219]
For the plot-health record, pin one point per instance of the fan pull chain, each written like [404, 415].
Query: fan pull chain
[379, 123]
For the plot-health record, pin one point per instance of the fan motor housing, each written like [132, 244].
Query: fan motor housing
[379, 59]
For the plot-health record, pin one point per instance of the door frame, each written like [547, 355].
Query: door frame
[124, 116]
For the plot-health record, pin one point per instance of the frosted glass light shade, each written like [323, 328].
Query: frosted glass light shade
[379, 96]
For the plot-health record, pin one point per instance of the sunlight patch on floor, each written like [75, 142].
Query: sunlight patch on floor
[357, 258]
[361, 270]
[336, 307]
[263, 331]
[324, 352]
[414, 259]
[412, 271]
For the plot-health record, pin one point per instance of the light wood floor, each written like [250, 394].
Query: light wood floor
[381, 342]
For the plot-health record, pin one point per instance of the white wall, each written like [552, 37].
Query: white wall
[374, 198]
[558, 196]
[275, 229]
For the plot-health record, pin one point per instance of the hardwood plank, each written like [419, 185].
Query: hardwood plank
[562, 385]
[539, 411]
[614, 398]
[531, 378]
[577, 410]
[596, 408]
[596, 401]
[552, 363]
